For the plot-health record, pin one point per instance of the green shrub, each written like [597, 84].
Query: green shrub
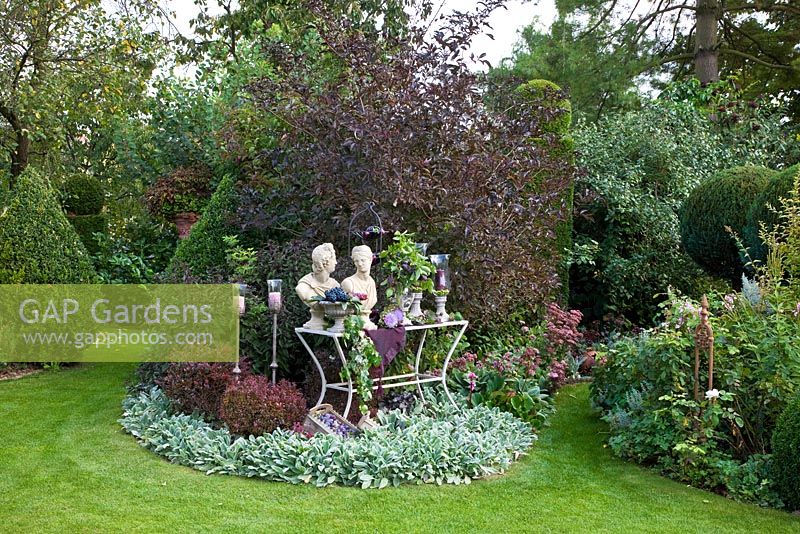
[86, 226]
[553, 98]
[645, 387]
[639, 167]
[82, 199]
[83, 195]
[204, 249]
[288, 261]
[786, 455]
[787, 239]
[135, 251]
[116, 263]
[5, 193]
[764, 210]
[722, 201]
[556, 122]
[37, 243]
[154, 241]
[750, 481]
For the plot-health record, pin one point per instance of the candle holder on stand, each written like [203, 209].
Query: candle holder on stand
[441, 284]
[244, 289]
[275, 303]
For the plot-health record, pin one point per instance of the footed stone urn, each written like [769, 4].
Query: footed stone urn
[338, 312]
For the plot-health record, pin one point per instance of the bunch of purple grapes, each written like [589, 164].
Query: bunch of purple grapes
[338, 428]
[336, 294]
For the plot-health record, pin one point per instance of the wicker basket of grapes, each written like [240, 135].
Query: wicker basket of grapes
[323, 418]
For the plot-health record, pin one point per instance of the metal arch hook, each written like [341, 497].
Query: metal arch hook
[367, 208]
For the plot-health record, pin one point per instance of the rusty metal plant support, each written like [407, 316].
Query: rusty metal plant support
[703, 341]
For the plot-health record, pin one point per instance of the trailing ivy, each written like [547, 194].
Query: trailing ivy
[363, 357]
[435, 444]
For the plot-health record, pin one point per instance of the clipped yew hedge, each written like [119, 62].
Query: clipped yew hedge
[786, 455]
[723, 201]
[38, 245]
[765, 210]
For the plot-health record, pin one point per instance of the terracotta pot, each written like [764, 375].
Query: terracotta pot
[184, 221]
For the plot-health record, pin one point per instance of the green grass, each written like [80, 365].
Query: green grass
[65, 465]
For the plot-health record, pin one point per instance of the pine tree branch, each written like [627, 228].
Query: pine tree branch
[675, 26]
[647, 21]
[747, 36]
[754, 59]
[657, 62]
[761, 7]
[601, 20]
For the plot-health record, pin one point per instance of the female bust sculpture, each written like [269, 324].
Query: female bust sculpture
[317, 282]
[362, 283]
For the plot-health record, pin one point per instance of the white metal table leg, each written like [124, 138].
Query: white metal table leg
[447, 362]
[319, 368]
[416, 364]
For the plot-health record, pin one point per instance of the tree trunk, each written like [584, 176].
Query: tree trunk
[19, 158]
[20, 153]
[706, 66]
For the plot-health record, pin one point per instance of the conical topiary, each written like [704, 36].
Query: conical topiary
[37, 243]
[203, 251]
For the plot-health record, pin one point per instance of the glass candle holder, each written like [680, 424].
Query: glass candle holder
[422, 248]
[274, 299]
[441, 274]
[244, 290]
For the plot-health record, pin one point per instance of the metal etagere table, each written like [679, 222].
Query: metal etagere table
[417, 378]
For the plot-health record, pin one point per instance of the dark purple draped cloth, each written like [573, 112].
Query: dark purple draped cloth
[388, 342]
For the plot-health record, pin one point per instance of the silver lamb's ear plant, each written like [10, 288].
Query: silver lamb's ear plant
[751, 291]
[459, 445]
[574, 366]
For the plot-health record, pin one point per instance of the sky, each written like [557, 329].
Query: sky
[506, 24]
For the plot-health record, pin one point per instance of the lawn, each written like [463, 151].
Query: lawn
[65, 465]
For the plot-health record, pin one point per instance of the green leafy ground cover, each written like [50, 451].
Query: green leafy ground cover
[66, 465]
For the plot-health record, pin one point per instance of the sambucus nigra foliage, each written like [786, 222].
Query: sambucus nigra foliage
[397, 118]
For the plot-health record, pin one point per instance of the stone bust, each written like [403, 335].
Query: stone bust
[361, 282]
[317, 282]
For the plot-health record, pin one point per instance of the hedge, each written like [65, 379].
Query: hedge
[37, 243]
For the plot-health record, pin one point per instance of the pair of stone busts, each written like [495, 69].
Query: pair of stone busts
[317, 282]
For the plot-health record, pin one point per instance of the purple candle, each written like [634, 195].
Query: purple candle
[440, 280]
[274, 301]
